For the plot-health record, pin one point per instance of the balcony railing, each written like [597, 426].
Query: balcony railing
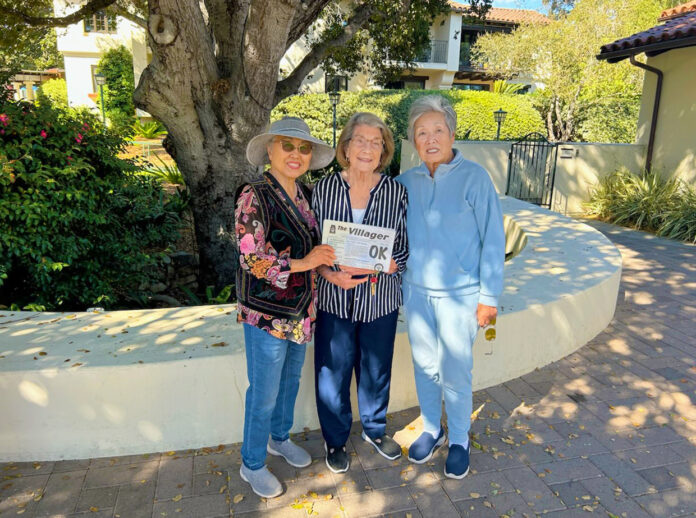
[464, 57]
[437, 53]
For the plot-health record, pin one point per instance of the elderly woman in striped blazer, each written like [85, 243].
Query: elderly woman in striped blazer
[357, 309]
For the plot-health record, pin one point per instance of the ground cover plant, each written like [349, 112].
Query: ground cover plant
[666, 207]
[78, 227]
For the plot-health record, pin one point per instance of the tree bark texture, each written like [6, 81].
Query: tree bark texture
[212, 83]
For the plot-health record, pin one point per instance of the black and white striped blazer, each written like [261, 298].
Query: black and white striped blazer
[385, 208]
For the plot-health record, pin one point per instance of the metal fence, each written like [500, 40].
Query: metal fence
[532, 170]
[437, 53]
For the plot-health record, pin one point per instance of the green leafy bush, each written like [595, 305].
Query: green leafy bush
[77, 227]
[117, 67]
[474, 113]
[53, 91]
[610, 120]
[646, 202]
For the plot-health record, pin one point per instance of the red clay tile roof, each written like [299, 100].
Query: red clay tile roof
[500, 15]
[678, 11]
[674, 33]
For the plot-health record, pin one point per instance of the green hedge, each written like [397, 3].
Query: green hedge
[474, 113]
[54, 91]
[117, 67]
[77, 227]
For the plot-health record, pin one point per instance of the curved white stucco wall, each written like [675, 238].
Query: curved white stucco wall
[127, 382]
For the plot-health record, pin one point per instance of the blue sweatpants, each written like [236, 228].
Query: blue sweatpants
[442, 332]
[341, 347]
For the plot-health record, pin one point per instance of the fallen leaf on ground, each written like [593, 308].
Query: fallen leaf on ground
[177, 497]
[238, 498]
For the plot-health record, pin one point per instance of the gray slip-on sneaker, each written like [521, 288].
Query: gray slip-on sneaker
[291, 452]
[262, 482]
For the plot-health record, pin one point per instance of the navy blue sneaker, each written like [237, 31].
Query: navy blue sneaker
[457, 465]
[423, 448]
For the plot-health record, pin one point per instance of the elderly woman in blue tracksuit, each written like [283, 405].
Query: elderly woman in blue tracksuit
[453, 278]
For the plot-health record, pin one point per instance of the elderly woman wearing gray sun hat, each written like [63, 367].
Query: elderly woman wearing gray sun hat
[278, 240]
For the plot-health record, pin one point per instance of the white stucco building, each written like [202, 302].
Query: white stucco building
[82, 44]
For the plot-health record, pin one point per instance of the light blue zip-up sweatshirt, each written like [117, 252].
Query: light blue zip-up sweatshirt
[455, 231]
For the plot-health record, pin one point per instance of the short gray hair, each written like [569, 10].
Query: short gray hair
[431, 103]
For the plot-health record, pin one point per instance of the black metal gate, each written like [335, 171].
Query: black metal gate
[531, 170]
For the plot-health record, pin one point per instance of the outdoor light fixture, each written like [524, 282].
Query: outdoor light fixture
[334, 97]
[100, 79]
[499, 117]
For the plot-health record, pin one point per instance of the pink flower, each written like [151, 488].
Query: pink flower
[4, 119]
[69, 158]
[78, 139]
[2, 131]
[246, 245]
[85, 126]
[44, 134]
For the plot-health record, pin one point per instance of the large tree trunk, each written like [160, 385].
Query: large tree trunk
[212, 100]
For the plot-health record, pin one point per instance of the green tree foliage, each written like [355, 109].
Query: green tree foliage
[395, 36]
[117, 67]
[77, 228]
[23, 48]
[53, 91]
[561, 55]
[474, 113]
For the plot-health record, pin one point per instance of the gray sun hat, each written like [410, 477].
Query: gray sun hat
[293, 127]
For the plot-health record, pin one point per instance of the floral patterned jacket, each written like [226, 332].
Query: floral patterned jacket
[264, 260]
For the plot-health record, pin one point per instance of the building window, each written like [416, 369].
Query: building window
[410, 83]
[471, 86]
[335, 83]
[101, 22]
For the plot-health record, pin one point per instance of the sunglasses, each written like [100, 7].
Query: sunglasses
[305, 148]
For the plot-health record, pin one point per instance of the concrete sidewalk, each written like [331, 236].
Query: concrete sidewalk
[609, 430]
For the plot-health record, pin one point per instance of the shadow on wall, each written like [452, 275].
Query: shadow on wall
[575, 175]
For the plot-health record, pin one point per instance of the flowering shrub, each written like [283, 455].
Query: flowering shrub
[77, 228]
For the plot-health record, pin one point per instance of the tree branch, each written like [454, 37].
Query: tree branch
[62, 21]
[305, 16]
[291, 84]
[125, 13]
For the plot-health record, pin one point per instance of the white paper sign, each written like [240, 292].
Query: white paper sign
[361, 246]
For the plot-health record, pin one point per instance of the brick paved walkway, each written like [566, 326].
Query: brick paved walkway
[609, 430]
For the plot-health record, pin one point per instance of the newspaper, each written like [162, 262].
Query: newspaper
[360, 246]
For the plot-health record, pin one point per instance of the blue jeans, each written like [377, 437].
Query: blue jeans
[442, 332]
[341, 347]
[273, 368]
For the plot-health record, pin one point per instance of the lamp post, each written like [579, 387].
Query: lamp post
[334, 97]
[499, 117]
[100, 79]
